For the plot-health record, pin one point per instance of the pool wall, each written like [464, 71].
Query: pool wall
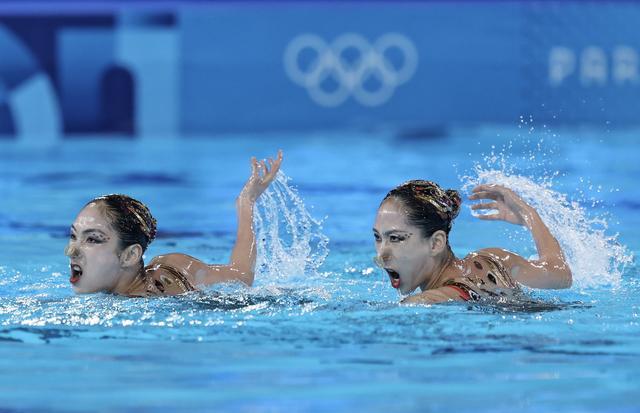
[141, 68]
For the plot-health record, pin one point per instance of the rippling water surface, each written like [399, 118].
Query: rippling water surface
[321, 330]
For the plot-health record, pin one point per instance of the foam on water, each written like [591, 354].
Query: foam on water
[290, 241]
[596, 258]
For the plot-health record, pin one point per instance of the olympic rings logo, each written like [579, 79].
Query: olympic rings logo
[329, 63]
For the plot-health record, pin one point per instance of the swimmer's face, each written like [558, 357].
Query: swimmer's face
[401, 247]
[94, 252]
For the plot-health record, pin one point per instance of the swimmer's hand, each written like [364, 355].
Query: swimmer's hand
[509, 206]
[262, 174]
[551, 269]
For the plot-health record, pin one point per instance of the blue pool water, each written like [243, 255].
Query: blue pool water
[321, 330]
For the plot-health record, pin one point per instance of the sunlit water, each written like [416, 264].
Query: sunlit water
[321, 330]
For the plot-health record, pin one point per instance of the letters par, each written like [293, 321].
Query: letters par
[594, 66]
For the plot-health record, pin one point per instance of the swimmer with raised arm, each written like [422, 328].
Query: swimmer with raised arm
[411, 233]
[112, 232]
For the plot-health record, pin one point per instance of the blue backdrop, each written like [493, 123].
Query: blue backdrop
[141, 68]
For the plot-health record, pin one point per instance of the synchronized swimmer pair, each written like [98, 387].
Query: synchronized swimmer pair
[111, 233]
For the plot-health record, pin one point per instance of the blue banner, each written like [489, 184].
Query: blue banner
[200, 68]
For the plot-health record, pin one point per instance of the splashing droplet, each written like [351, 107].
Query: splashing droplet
[595, 258]
[290, 241]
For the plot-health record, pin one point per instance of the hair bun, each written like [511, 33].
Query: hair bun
[455, 201]
[429, 207]
[153, 228]
[144, 217]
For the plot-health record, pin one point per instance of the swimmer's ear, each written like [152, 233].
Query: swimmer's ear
[131, 255]
[438, 241]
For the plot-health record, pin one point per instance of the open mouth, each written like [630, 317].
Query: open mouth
[76, 273]
[394, 277]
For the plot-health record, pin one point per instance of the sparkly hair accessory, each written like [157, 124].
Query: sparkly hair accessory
[446, 203]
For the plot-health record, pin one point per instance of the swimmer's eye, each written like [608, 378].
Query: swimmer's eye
[93, 240]
[72, 237]
[376, 237]
[397, 238]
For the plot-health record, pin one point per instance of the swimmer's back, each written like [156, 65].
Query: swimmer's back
[162, 278]
[483, 276]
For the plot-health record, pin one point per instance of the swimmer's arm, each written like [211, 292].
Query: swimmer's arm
[540, 273]
[437, 295]
[241, 266]
[242, 263]
[551, 269]
[198, 273]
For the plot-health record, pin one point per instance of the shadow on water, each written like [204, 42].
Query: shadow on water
[524, 305]
[36, 334]
[221, 301]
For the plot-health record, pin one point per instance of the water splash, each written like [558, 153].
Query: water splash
[290, 241]
[595, 258]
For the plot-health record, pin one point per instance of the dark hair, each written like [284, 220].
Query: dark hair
[131, 219]
[430, 207]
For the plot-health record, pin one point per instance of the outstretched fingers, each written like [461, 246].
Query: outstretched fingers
[278, 160]
[254, 167]
[485, 205]
[275, 164]
[484, 195]
[489, 188]
[490, 217]
[263, 169]
[483, 187]
[269, 169]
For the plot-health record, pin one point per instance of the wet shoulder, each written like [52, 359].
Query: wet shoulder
[483, 276]
[165, 275]
[161, 277]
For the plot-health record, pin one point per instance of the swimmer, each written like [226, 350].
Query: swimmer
[411, 234]
[111, 233]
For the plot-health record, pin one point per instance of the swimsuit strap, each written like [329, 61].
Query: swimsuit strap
[462, 289]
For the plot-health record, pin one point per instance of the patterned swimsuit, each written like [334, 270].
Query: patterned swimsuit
[494, 280]
[159, 280]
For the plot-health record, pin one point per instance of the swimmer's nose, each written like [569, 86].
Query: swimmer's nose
[71, 251]
[383, 257]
